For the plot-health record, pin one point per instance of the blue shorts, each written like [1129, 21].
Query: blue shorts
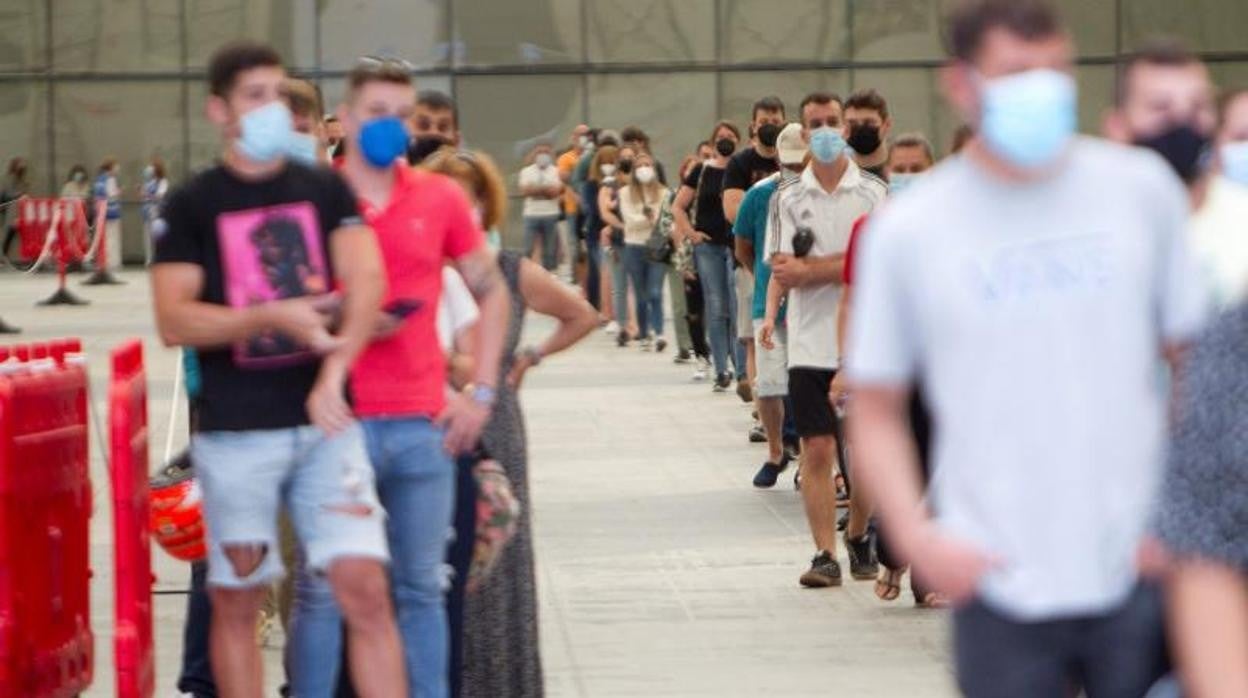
[325, 483]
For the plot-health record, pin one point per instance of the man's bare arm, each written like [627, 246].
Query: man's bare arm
[480, 272]
[794, 272]
[1208, 610]
[744, 252]
[732, 203]
[359, 268]
[183, 320]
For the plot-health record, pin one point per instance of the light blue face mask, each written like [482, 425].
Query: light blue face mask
[826, 144]
[1029, 118]
[303, 148]
[901, 181]
[265, 133]
[1235, 162]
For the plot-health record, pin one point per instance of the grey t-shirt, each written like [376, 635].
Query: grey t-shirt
[1034, 316]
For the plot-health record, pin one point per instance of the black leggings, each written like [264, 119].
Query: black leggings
[695, 307]
[921, 428]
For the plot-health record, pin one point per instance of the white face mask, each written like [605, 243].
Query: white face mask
[645, 174]
[543, 161]
[607, 170]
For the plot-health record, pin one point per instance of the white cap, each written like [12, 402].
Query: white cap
[791, 147]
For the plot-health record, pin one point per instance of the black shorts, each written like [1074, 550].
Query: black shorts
[812, 411]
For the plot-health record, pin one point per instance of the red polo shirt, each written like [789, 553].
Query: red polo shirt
[427, 221]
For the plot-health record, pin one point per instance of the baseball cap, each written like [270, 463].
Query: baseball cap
[790, 145]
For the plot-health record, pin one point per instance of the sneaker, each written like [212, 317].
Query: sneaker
[612, 328]
[682, 357]
[824, 572]
[768, 475]
[722, 383]
[621, 339]
[744, 392]
[644, 344]
[862, 563]
[660, 344]
[758, 435]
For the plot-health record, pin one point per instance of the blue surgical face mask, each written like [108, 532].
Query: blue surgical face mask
[826, 144]
[383, 140]
[303, 148]
[901, 181]
[265, 132]
[1029, 118]
[1235, 162]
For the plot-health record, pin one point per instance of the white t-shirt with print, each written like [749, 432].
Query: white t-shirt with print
[1034, 317]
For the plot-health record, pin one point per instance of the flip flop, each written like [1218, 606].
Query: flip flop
[888, 586]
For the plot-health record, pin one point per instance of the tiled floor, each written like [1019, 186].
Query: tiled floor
[663, 572]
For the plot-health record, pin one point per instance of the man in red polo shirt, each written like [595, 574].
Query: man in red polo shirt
[398, 384]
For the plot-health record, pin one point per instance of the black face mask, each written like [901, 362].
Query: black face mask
[767, 135]
[625, 166]
[1185, 148]
[864, 139]
[420, 148]
[725, 146]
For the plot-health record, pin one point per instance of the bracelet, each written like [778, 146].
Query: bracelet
[483, 395]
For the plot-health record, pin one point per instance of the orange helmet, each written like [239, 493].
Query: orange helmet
[177, 510]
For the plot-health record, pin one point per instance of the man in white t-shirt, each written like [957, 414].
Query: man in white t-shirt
[1032, 286]
[542, 187]
[815, 217]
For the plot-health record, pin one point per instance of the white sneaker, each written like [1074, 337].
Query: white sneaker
[645, 344]
[702, 372]
[613, 328]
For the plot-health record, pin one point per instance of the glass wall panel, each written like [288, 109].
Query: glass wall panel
[914, 102]
[808, 30]
[23, 35]
[489, 120]
[897, 30]
[333, 90]
[1230, 76]
[290, 25]
[1096, 94]
[517, 32]
[413, 29]
[741, 90]
[104, 36]
[1206, 25]
[24, 130]
[676, 110]
[1092, 22]
[650, 31]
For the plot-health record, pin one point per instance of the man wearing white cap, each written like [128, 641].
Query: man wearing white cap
[754, 218]
[807, 250]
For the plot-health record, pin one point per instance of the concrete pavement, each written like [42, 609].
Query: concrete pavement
[662, 571]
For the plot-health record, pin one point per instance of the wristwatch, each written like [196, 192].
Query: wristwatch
[533, 354]
[483, 395]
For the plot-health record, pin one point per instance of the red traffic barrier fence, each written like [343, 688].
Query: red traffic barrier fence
[35, 220]
[128, 463]
[46, 644]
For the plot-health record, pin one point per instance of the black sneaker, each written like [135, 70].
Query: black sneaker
[824, 572]
[758, 435]
[683, 357]
[660, 344]
[722, 383]
[862, 563]
[768, 474]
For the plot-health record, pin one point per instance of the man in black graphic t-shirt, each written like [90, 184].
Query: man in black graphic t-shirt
[246, 255]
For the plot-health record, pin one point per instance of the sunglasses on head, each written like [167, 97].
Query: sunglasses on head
[383, 64]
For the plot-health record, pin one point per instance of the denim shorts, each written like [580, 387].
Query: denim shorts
[325, 483]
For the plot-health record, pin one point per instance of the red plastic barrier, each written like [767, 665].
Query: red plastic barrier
[128, 461]
[46, 645]
[34, 221]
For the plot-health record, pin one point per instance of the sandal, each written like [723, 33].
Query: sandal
[888, 586]
[933, 600]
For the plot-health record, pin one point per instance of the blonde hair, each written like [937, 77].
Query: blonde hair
[641, 193]
[480, 175]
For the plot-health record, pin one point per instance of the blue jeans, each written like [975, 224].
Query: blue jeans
[546, 228]
[614, 256]
[593, 266]
[714, 263]
[647, 278]
[416, 485]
